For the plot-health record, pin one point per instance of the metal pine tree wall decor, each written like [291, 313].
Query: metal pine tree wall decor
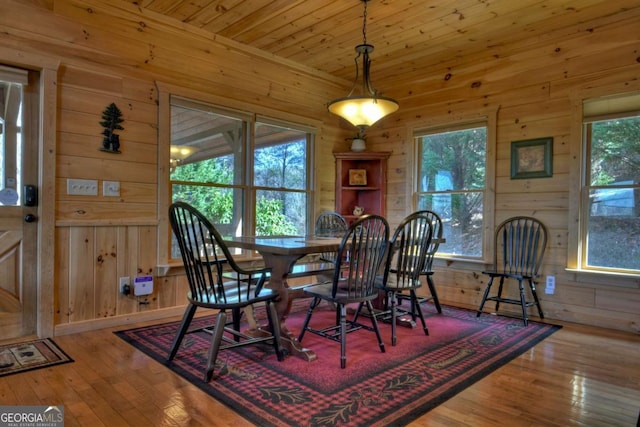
[111, 119]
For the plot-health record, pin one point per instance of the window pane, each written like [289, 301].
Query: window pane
[216, 171]
[453, 160]
[615, 151]
[461, 215]
[452, 179]
[215, 203]
[613, 235]
[218, 204]
[211, 142]
[280, 213]
[280, 157]
[10, 143]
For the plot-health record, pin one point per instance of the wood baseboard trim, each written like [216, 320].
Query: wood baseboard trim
[108, 322]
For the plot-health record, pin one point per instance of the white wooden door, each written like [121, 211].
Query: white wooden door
[18, 222]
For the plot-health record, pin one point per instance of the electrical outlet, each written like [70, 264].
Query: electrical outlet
[551, 285]
[125, 285]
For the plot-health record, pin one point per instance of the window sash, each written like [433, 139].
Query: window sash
[475, 251]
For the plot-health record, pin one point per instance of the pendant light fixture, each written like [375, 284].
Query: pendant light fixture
[363, 109]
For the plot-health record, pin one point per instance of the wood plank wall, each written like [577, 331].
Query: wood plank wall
[533, 87]
[107, 54]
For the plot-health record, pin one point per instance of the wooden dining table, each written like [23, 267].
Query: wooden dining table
[281, 254]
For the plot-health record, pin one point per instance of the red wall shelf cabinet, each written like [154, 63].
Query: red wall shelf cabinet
[352, 170]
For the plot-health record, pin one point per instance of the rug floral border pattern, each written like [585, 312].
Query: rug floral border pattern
[262, 393]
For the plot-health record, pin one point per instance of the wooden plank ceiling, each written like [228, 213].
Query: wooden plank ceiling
[411, 36]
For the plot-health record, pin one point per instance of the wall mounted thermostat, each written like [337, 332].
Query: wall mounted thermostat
[142, 285]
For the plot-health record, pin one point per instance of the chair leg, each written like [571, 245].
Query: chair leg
[374, 322]
[500, 287]
[416, 302]
[312, 306]
[434, 294]
[342, 309]
[394, 313]
[484, 296]
[184, 325]
[532, 285]
[357, 313]
[274, 324]
[523, 303]
[216, 339]
[236, 315]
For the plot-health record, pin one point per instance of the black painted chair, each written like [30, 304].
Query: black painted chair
[330, 224]
[519, 246]
[205, 257]
[353, 281]
[409, 248]
[436, 224]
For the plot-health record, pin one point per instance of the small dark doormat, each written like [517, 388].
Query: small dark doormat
[30, 355]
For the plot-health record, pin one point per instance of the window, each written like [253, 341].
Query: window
[11, 99]
[452, 181]
[611, 186]
[247, 175]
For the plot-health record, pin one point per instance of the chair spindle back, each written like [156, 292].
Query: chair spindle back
[520, 245]
[410, 246]
[204, 255]
[363, 247]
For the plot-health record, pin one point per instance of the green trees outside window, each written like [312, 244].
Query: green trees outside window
[613, 188]
[452, 181]
[246, 183]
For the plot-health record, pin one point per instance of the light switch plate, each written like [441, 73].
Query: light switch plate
[111, 188]
[82, 187]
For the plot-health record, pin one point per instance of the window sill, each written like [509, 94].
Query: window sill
[163, 270]
[176, 268]
[625, 280]
[459, 263]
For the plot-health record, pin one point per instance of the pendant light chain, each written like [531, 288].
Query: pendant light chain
[364, 23]
[366, 108]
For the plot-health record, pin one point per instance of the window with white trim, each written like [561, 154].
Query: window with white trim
[610, 196]
[249, 175]
[452, 181]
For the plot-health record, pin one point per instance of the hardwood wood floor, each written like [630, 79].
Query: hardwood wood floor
[580, 376]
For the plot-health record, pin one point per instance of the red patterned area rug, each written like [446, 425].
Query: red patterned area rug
[375, 389]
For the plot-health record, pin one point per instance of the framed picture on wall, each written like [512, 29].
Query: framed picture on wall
[357, 177]
[532, 158]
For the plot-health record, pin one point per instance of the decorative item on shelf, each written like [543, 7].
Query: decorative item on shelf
[178, 153]
[111, 119]
[358, 210]
[357, 177]
[364, 109]
[358, 143]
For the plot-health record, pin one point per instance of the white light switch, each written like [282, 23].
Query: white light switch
[82, 187]
[111, 188]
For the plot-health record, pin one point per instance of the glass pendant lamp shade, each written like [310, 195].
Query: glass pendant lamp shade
[363, 111]
[365, 108]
